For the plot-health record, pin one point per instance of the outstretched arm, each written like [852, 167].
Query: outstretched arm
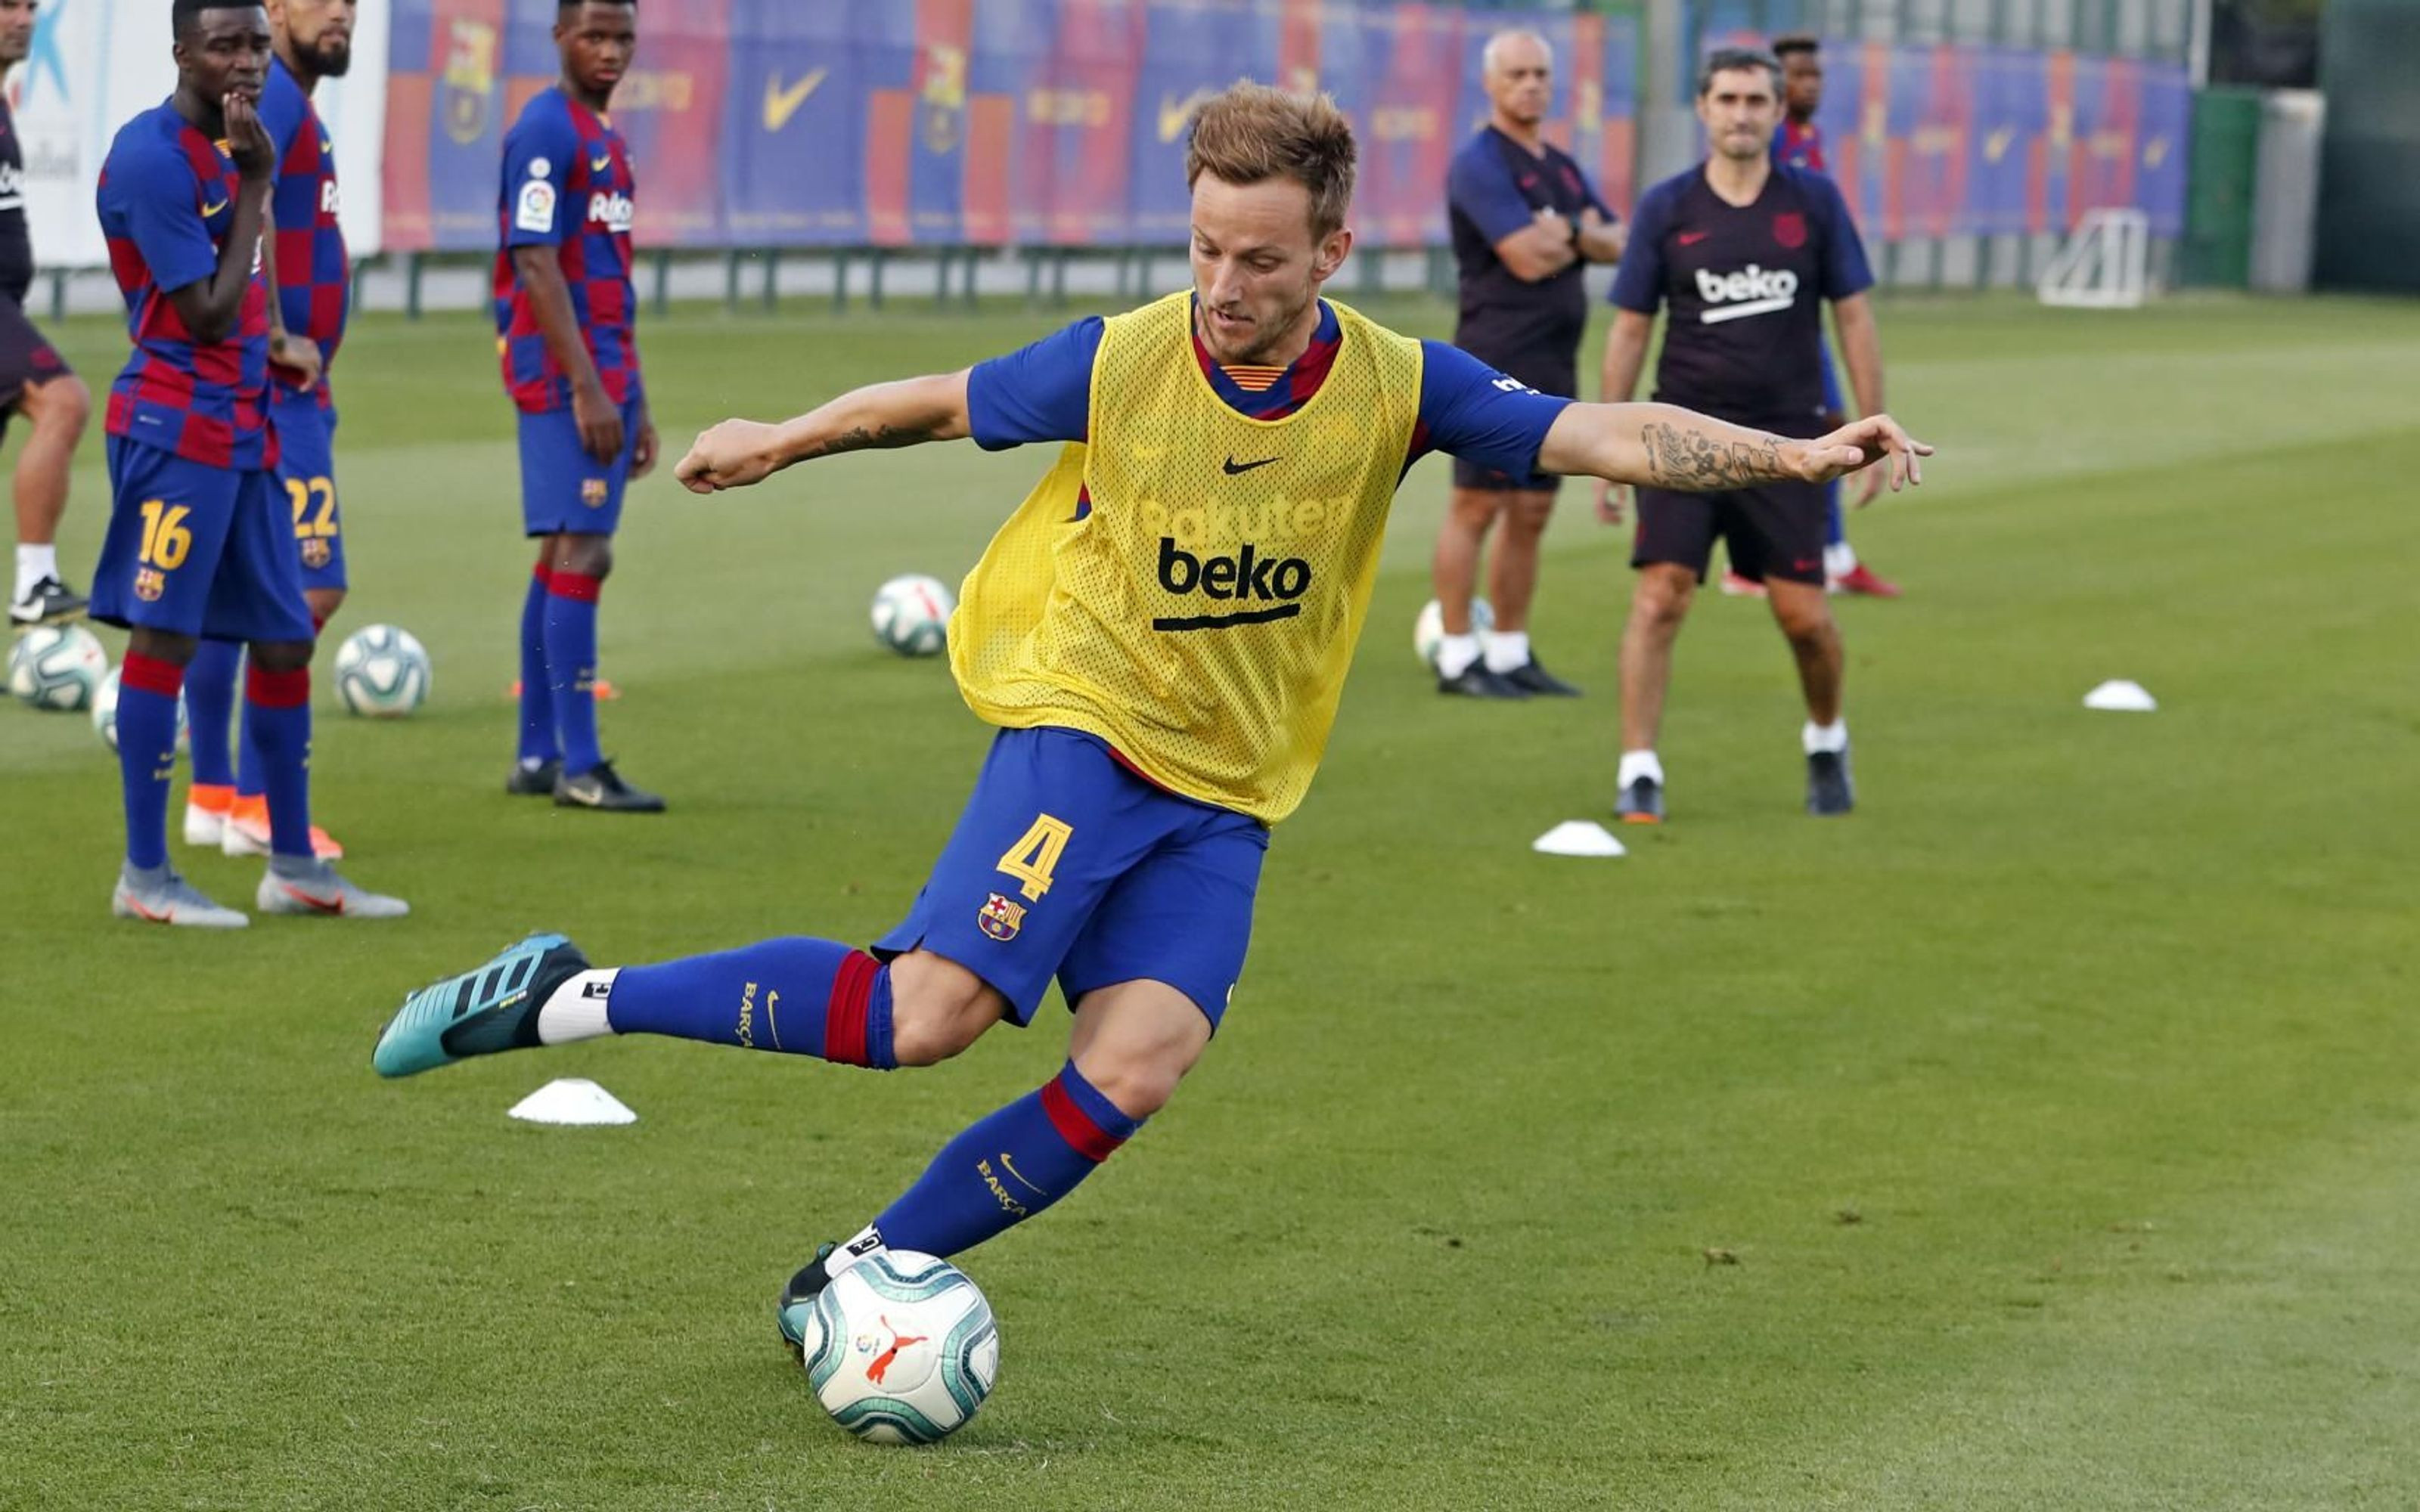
[1665, 446]
[880, 415]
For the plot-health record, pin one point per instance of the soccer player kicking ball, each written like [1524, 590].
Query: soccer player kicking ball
[1740, 253]
[34, 380]
[228, 805]
[1161, 632]
[201, 541]
[566, 311]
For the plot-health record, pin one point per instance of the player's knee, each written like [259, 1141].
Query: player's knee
[280, 656]
[63, 404]
[1476, 508]
[588, 556]
[1530, 514]
[1662, 600]
[938, 1009]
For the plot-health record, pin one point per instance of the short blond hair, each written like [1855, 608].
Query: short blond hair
[1253, 133]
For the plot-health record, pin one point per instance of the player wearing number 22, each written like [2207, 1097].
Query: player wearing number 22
[1161, 633]
[312, 281]
[201, 538]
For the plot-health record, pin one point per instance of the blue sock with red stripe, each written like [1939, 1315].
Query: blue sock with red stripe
[210, 709]
[798, 995]
[1006, 1168]
[277, 710]
[537, 695]
[572, 665]
[250, 772]
[147, 753]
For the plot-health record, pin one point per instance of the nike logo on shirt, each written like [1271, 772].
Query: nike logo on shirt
[1234, 468]
[1690, 238]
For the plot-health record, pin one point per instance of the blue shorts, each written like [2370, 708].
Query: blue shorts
[306, 469]
[563, 489]
[1067, 864]
[197, 550]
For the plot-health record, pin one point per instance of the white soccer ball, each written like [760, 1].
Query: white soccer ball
[57, 668]
[911, 614]
[104, 715]
[382, 673]
[1429, 630]
[901, 1348]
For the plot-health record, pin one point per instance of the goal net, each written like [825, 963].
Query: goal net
[2106, 264]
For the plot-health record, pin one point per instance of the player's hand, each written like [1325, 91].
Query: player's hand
[1553, 220]
[600, 422]
[1869, 486]
[296, 359]
[731, 455]
[255, 156]
[1611, 499]
[649, 447]
[1862, 444]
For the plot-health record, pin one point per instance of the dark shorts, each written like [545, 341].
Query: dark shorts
[1547, 369]
[306, 471]
[194, 549]
[1772, 531]
[565, 491]
[26, 357]
[1067, 864]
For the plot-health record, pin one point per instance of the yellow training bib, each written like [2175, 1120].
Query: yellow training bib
[1200, 613]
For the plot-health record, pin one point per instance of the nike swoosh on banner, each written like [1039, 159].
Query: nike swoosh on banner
[1740, 312]
[316, 906]
[781, 104]
[1174, 114]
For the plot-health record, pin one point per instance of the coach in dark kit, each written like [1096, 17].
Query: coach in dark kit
[1740, 253]
[1525, 222]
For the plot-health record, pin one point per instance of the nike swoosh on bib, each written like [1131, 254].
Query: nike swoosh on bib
[1233, 467]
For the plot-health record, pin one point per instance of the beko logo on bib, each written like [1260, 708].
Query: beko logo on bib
[1248, 577]
[1749, 291]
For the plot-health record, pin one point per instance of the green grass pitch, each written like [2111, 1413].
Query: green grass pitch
[2046, 1135]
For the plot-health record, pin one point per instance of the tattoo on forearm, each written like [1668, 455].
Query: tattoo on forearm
[859, 439]
[1687, 460]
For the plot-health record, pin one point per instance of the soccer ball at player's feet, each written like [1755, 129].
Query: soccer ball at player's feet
[900, 1347]
[912, 615]
[57, 668]
[1428, 630]
[382, 672]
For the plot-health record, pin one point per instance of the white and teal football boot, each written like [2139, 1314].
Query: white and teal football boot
[479, 1013]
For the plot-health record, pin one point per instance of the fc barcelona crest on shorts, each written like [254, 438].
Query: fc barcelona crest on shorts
[1000, 918]
[592, 492]
[1789, 230]
[315, 553]
[149, 583]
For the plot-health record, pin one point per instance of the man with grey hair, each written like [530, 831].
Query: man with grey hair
[1525, 220]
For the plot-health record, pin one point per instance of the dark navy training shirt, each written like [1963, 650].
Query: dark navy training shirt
[1493, 188]
[1744, 288]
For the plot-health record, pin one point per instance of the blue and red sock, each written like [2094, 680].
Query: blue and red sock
[209, 710]
[572, 665]
[277, 709]
[250, 774]
[1006, 1168]
[799, 996]
[147, 753]
[539, 743]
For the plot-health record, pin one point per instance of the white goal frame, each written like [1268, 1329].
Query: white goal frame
[2106, 264]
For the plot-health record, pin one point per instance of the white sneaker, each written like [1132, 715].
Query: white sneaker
[322, 893]
[245, 832]
[166, 898]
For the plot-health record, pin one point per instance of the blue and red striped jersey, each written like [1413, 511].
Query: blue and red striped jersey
[568, 185]
[313, 275]
[1800, 144]
[167, 202]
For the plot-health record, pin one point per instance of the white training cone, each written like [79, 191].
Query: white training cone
[2121, 695]
[1578, 837]
[572, 1100]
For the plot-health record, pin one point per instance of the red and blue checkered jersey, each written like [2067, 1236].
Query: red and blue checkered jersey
[1800, 144]
[167, 201]
[568, 185]
[314, 274]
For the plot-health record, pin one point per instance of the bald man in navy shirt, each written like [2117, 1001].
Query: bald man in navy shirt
[1741, 254]
[1526, 221]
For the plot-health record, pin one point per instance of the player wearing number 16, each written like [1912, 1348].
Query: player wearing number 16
[201, 540]
[1160, 634]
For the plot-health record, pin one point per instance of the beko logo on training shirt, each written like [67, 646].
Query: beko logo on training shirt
[1247, 578]
[1749, 291]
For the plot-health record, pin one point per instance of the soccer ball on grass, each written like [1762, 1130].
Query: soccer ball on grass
[901, 1348]
[911, 614]
[104, 715]
[382, 673]
[1429, 630]
[57, 668]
